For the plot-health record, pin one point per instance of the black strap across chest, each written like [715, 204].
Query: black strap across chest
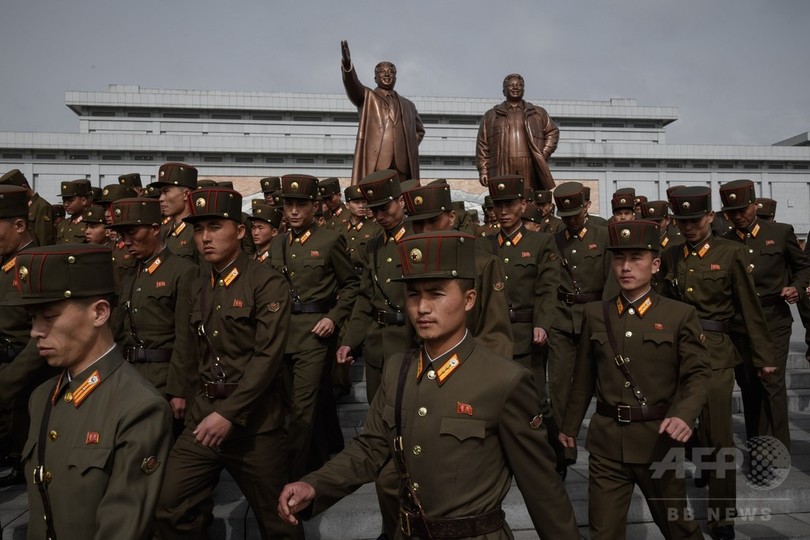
[621, 361]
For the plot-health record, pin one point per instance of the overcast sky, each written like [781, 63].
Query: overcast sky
[737, 70]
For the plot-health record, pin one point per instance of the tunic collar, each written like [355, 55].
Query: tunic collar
[447, 364]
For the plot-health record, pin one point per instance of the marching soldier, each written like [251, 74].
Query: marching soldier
[270, 187]
[780, 270]
[622, 206]
[532, 218]
[152, 322]
[583, 270]
[590, 219]
[643, 357]
[77, 198]
[132, 181]
[340, 215]
[549, 223]
[175, 181]
[359, 229]
[100, 434]
[236, 419]
[122, 258]
[40, 212]
[712, 274]
[95, 231]
[448, 386]
[658, 212]
[766, 208]
[264, 227]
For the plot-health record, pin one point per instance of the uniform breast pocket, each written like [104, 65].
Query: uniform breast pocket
[463, 429]
[161, 295]
[390, 420]
[84, 460]
[658, 338]
[239, 313]
[599, 342]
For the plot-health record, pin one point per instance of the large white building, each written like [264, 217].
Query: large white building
[248, 135]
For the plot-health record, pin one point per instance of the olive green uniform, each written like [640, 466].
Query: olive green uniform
[551, 225]
[773, 252]
[358, 236]
[71, 231]
[466, 429]
[179, 238]
[715, 278]
[246, 315]
[596, 220]
[106, 445]
[40, 221]
[668, 362]
[339, 219]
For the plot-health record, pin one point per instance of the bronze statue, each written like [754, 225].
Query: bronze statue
[390, 129]
[516, 137]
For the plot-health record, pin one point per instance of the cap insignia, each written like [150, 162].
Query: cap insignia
[370, 192]
[117, 211]
[294, 186]
[685, 205]
[651, 211]
[625, 233]
[732, 197]
[415, 255]
[23, 273]
[418, 200]
[622, 200]
[567, 202]
[501, 187]
[200, 202]
[759, 205]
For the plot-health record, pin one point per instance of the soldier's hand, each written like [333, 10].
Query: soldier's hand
[539, 336]
[790, 294]
[178, 406]
[324, 328]
[213, 430]
[566, 441]
[766, 372]
[676, 428]
[294, 498]
[484, 179]
[344, 355]
[346, 54]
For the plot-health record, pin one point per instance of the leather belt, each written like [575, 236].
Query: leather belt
[521, 315]
[137, 355]
[714, 326]
[581, 298]
[411, 524]
[311, 307]
[771, 300]
[385, 318]
[219, 389]
[625, 413]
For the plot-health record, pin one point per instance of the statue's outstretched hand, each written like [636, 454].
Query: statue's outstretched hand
[347, 55]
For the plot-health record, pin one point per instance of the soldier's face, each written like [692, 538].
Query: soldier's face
[385, 75]
[696, 229]
[262, 233]
[73, 204]
[634, 269]
[442, 222]
[744, 217]
[10, 231]
[513, 89]
[357, 208]
[142, 241]
[623, 214]
[332, 202]
[509, 213]
[391, 214]
[218, 240]
[172, 200]
[531, 225]
[574, 223]
[438, 310]
[545, 208]
[299, 213]
[95, 233]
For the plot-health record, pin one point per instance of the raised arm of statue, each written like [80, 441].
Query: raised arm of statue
[355, 90]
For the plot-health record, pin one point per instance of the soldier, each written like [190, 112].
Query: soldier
[549, 223]
[766, 208]
[270, 186]
[658, 211]
[95, 231]
[330, 191]
[532, 218]
[100, 433]
[712, 274]
[590, 219]
[175, 181]
[122, 259]
[323, 284]
[638, 200]
[583, 270]
[20, 366]
[76, 196]
[152, 322]
[780, 270]
[649, 403]
[491, 225]
[58, 215]
[359, 230]
[264, 227]
[132, 181]
[236, 419]
[40, 212]
[430, 209]
[622, 206]
[449, 385]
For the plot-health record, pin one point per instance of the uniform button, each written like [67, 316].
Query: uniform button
[627, 384]
[750, 251]
[506, 260]
[48, 477]
[422, 411]
[293, 255]
[135, 310]
[218, 307]
[689, 289]
[416, 486]
[628, 334]
[508, 243]
[388, 280]
[573, 251]
[68, 396]
[431, 374]
[138, 289]
[691, 270]
[388, 259]
[292, 274]
[574, 267]
[298, 240]
[221, 282]
[417, 450]
[694, 254]
[631, 311]
[53, 435]
[215, 333]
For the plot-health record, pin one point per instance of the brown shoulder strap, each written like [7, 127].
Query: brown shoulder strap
[621, 361]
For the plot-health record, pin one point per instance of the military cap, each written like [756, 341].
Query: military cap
[435, 255]
[206, 183]
[278, 200]
[76, 188]
[569, 198]
[542, 196]
[353, 193]
[94, 214]
[152, 190]
[673, 189]
[13, 201]
[427, 202]
[299, 186]
[408, 185]
[177, 174]
[654, 210]
[631, 192]
[215, 203]
[132, 180]
[270, 184]
[267, 212]
[621, 201]
[488, 202]
[506, 188]
[329, 186]
[532, 213]
[737, 194]
[135, 211]
[15, 178]
[380, 187]
[586, 193]
[113, 192]
[458, 206]
[691, 202]
[225, 184]
[95, 193]
[766, 208]
[65, 271]
[640, 199]
[636, 234]
[58, 210]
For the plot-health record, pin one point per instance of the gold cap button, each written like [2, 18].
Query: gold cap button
[68, 396]
[52, 435]
[689, 289]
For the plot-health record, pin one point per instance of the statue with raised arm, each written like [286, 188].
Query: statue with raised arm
[390, 129]
[516, 137]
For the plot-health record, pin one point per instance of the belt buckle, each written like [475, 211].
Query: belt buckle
[206, 386]
[404, 523]
[570, 298]
[381, 317]
[622, 407]
[621, 360]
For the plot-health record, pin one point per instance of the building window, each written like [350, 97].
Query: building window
[175, 158]
[725, 165]
[139, 114]
[613, 124]
[576, 123]
[644, 125]
[143, 158]
[12, 156]
[452, 162]
[306, 161]
[45, 156]
[776, 166]
[622, 164]
[307, 118]
[335, 161]
[78, 156]
[219, 116]
[800, 167]
[751, 166]
[425, 162]
[212, 159]
[274, 160]
[243, 160]
[700, 165]
[346, 118]
[596, 164]
[110, 158]
[102, 113]
[561, 163]
[271, 117]
[180, 115]
[675, 165]
[649, 164]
